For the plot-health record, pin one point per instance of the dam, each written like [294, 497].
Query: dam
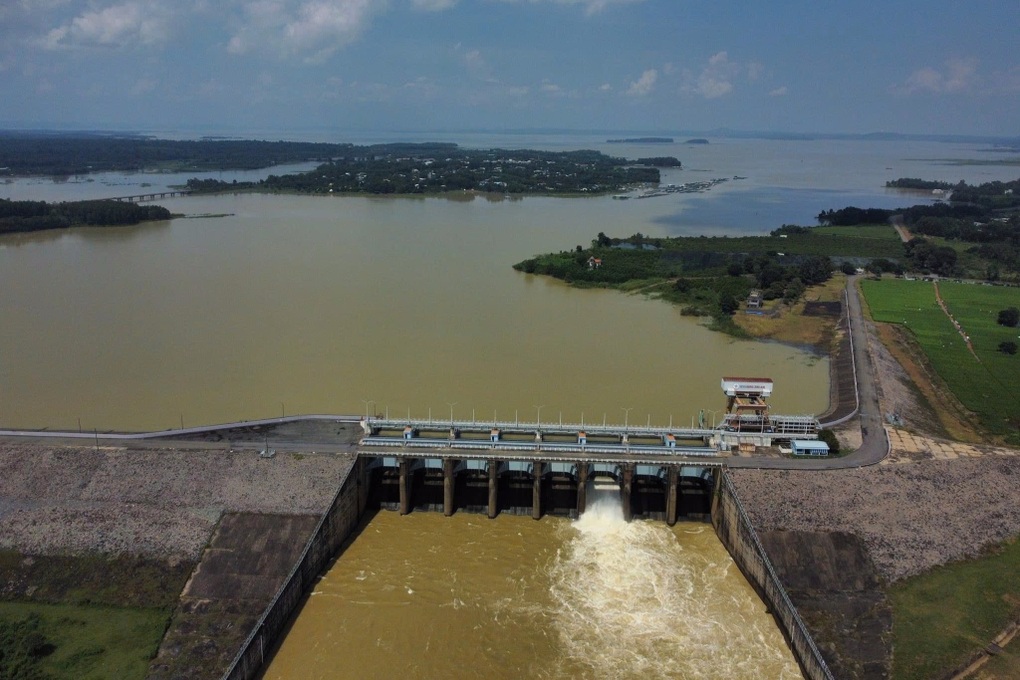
[424, 595]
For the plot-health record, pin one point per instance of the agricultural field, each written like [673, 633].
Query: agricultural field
[983, 380]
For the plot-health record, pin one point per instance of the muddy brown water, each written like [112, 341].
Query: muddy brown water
[316, 305]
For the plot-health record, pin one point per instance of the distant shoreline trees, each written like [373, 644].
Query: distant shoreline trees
[27, 216]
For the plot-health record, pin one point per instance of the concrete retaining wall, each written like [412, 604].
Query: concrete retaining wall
[333, 529]
[737, 534]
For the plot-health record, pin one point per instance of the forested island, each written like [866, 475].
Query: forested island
[70, 154]
[397, 168]
[25, 216]
[641, 140]
[443, 168]
[975, 235]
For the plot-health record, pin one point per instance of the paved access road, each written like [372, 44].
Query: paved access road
[875, 445]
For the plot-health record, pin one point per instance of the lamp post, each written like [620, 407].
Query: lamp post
[451, 404]
[626, 415]
[538, 416]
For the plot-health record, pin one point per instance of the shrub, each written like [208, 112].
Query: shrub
[1009, 317]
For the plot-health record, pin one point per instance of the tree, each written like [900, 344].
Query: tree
[728, 304]
[829, 437]
[1009, 317]
[848, 268]
[794, 289]
[1007, 347]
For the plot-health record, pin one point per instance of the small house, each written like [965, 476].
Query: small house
[594, 262]
[809, 447]
[755, 299]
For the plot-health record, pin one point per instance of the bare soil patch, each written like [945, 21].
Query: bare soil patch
[912, 389]
[790, 324]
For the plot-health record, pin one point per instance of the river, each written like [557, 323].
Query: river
[428, 596]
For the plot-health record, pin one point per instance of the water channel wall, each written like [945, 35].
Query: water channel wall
[734, 529]
[334, 528]
[338, 523]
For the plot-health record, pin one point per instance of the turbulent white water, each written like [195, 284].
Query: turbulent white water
[630, 600]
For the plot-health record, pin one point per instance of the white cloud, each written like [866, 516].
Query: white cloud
[643, 85]
[780, 91]
[314, 27]
[959, 75]
[716, 78]
[129, 23]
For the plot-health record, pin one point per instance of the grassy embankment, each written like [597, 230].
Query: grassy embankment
[84, 617]
[941, 618]
[984, 383]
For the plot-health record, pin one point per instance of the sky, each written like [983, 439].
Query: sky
[237, 66]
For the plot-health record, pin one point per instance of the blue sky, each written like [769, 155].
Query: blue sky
[444, 65]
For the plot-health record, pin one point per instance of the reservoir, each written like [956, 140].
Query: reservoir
[255, 305]
[259, 305]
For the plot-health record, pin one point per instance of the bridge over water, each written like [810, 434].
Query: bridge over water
[154, 196]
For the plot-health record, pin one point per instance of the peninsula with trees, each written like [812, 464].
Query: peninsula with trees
[974, 235]
[406, 169]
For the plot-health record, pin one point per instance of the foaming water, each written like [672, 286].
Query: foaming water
[427, 596]
[639, 600]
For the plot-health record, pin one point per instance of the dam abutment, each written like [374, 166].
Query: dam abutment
[334, 529]
[737, 534]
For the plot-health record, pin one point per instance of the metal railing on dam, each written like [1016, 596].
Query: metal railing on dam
[735, 530]
[476, 448]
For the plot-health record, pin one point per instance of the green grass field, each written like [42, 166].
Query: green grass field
[985, 384]
[940, 618]
[94, 642]
[874, 232]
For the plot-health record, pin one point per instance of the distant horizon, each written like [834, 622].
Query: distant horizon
[934, 68]
[679, 136]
